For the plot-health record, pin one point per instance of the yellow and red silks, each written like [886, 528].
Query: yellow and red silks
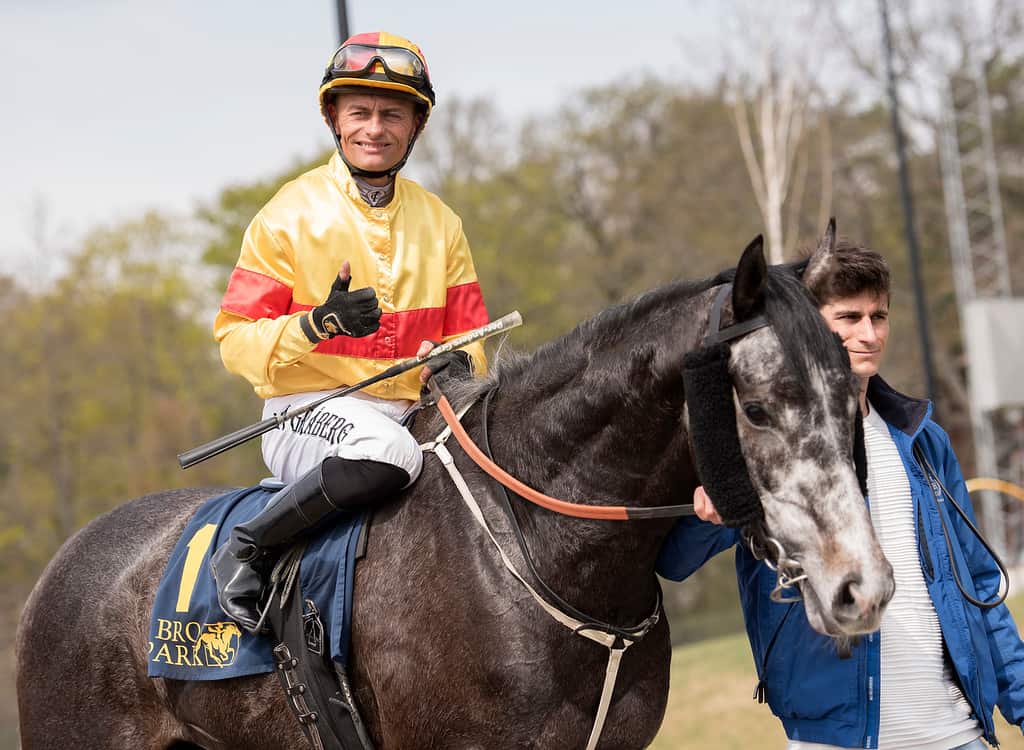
[412, 252]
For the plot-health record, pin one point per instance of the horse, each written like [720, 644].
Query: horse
[449, 650]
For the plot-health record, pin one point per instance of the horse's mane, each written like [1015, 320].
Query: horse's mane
[789, 306]
[609, 326]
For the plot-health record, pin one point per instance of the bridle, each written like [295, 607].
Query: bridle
[762, 545]
[789, 572]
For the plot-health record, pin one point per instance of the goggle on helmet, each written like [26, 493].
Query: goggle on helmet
[379, 60]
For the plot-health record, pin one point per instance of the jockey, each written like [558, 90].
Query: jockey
[290, 324]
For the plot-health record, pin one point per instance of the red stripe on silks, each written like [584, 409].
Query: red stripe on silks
[464, 309]
[398, 337]
[255, 295]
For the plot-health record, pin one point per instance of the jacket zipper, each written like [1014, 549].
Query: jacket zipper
[922, 546]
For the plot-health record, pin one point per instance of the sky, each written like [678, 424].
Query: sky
[118, 106]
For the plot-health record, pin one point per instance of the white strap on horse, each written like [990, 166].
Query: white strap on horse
[578, 628]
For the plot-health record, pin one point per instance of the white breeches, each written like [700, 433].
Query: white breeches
[356, 427]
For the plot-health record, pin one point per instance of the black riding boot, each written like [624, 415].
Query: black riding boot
[240, 566]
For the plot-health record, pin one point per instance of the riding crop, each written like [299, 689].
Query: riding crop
[245, 434]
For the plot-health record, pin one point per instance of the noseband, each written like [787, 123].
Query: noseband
[714, 438]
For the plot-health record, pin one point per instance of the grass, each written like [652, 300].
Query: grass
[710, 703]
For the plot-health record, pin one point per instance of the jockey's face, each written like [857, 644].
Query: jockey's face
[374, 129]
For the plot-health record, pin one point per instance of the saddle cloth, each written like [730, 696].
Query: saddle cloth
[190, 637]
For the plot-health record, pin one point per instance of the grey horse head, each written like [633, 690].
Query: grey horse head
[796, 405]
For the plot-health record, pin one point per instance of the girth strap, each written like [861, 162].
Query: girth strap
[316, 687]
[616, 646]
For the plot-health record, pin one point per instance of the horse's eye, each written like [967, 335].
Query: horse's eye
[756, 414]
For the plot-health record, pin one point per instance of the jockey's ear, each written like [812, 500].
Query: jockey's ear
[820, 264]
[748, 285]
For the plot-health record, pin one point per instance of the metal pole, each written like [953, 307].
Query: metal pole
[906, 199]
[342, 21]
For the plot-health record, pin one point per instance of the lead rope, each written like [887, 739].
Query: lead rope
[616, 646]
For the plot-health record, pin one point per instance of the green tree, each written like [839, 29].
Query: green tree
[112, 372]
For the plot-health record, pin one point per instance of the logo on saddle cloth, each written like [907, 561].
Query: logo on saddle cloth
[195, 644]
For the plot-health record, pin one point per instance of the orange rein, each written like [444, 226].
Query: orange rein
[598, 512]
[607, 513]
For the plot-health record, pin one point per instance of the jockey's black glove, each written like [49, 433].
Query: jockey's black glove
[451, 366]
[344, 313]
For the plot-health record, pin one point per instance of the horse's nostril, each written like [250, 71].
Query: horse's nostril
[848, 596]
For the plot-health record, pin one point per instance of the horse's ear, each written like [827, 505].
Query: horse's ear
[748, 285]
[820, 264]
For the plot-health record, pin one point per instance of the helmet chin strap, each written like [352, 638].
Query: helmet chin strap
[360, 172]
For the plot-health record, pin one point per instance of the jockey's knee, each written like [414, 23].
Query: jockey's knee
[399, 449]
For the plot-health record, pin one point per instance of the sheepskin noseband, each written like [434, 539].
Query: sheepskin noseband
[712, 417]
[715, 440]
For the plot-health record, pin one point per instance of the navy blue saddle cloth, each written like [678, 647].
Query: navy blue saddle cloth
[190, 637]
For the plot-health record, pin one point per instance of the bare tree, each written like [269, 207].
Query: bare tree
[931, 40]
[780, 103]
[464, 141]
[772, 108]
